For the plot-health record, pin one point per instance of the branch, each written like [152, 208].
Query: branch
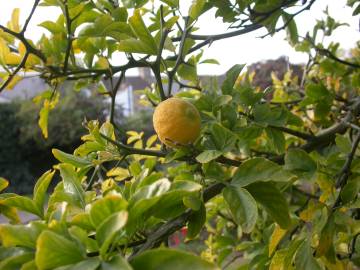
[26, 43]
[330, 55]
[156, 65]
[327, 136]
[180, 57]
[246, 29]
[36, 3]
[156, 237]
[305, 136]
[352, 247]
[346, 169]
[137, 151]
[13, 74]
[113, 97]
[292, 16]
[211, 38]
[69, 37]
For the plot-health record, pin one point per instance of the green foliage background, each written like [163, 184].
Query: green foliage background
[271, 183]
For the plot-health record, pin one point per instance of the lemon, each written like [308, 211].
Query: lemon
[176, 122]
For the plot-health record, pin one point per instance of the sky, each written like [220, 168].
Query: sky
[245, 49]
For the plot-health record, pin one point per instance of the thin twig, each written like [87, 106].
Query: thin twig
[36, 3]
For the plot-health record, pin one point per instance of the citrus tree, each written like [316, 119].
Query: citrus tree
[267, 180]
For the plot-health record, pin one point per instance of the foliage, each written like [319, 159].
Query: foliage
[24, 153]
[271, 181]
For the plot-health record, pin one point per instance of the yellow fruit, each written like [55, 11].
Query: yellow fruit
[176, 122]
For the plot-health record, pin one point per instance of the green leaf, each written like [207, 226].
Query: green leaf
[70, 159]
[170, 203]
[10, 213]
[15, 262]
[30, 265]
[165, 259]
[210, 61]
[156, 189]
[196, 8]
[277, 140]
[265, 115]
[196, 222]
[230, 78]
[171, 3]
[143, 200]
[20, 235]
[120, 14]
[242, 206]
[208, 155]
[72, 185]
[223, 138]
[343, 143]
[193, 202]
[326, 241]
[116, 263]
[105, 207]
[3, 183]
[139, 28]
[299, 162]
[133, 45]
[272, 201]
[107, 231]
[304, 258]
[22, 203]
[41, 187]
[291, 28]
[188, 71]
[88, 264]
[248, 96]
[53, 27]
[293, 247]
[259, 169]
[317, 92]
[349, 192]
[54, 250]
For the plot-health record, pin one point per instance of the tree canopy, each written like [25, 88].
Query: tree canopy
[271, 183]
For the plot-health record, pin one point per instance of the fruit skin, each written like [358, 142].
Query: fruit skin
[176, 122]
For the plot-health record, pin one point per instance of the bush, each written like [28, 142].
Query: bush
[24, 152]
[272, 182]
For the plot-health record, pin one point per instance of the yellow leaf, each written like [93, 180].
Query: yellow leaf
[76, 47]
[44, 117]
[3, 183]
[108, 184]
[118, 172]
[44, 114]
[13, 82]
[4, 51]
[307, 214]
[277, 262]
[151, 140]
[102, 63]
[14, 23]
[7, 37]
[276, 237]
[12, 59]
[32, 59]
[139, 144]
[132, 133]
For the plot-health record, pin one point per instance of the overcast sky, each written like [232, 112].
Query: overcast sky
[243, 49]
